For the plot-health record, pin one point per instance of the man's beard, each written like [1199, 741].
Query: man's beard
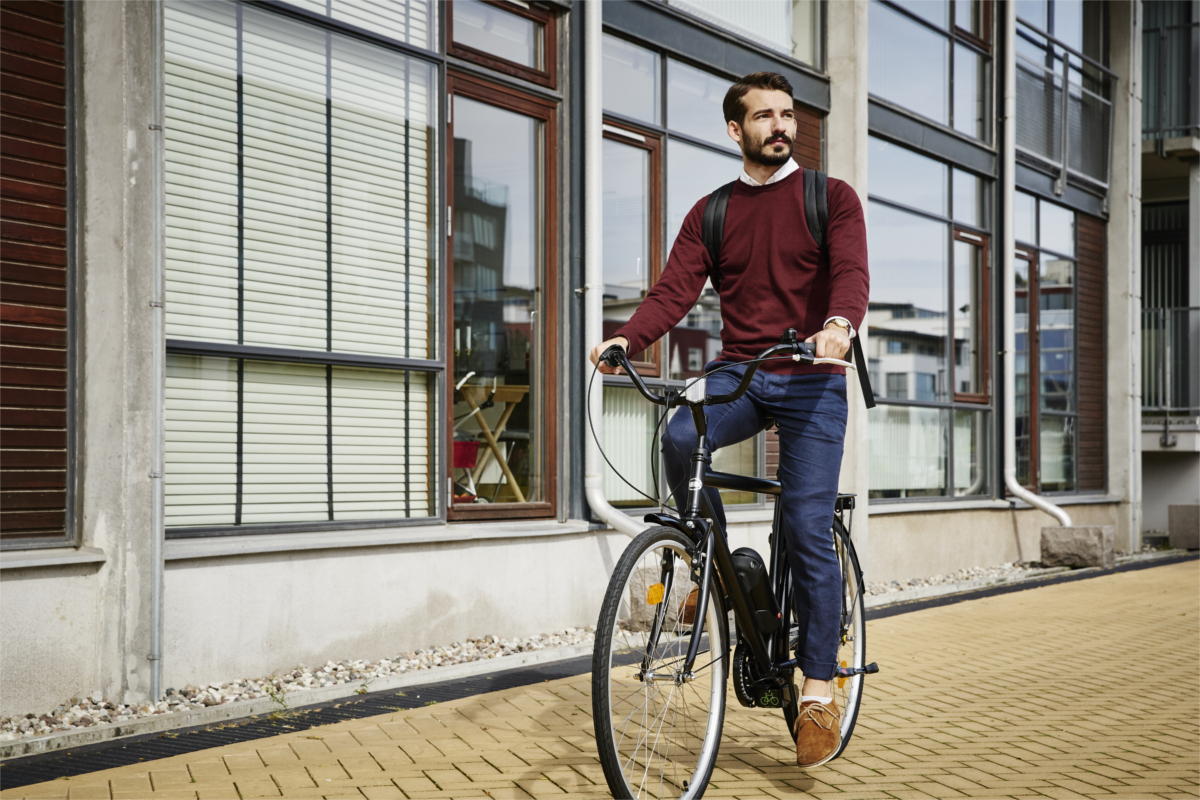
[757, 152]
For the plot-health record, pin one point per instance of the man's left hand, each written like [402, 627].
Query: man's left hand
[833, 342]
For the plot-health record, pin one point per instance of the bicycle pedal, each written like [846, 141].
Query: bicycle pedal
[871, 668]
[850, 672]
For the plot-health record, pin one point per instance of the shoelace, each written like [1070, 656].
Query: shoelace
[810, 710]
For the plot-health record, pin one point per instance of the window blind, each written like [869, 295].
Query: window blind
[409, 21]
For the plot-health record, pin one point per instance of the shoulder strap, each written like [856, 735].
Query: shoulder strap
[816, 214]
[712, 229]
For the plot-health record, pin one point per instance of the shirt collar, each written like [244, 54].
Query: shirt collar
[788, 168]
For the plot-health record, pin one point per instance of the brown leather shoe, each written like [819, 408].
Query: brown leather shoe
[818, 733]
[687, 609]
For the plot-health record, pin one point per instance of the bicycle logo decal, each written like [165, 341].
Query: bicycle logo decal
[769, 699]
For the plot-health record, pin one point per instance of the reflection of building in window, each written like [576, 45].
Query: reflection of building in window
[906, 340]
[897, 385]
[695, 359]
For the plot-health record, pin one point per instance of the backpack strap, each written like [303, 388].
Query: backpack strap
[816, 214]
[712, 229]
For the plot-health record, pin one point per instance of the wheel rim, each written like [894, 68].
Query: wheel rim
[851, 641]
[665, 733]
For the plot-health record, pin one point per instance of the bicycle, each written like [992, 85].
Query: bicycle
[659, 673]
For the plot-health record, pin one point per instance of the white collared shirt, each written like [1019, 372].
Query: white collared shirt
[787, 169]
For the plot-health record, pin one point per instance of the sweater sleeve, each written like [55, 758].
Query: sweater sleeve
[850, 281]
[676, 291]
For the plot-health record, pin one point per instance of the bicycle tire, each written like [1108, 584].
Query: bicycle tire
[657, 738]
[852, 643]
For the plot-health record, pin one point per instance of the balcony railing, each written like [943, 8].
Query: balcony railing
[1170, 366]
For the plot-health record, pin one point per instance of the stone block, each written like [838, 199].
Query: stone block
[1183, 526]
[1079, 546]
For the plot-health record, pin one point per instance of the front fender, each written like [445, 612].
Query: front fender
[671, 521]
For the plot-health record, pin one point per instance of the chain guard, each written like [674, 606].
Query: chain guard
[751, 690]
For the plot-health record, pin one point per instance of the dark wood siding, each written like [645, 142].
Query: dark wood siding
[807, 151]
[1090, 330]
[33, 269]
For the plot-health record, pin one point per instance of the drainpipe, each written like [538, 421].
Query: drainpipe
[158, 347]
[1008, 248]
[593, 251]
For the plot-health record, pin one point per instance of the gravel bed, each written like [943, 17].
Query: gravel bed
[85, 712]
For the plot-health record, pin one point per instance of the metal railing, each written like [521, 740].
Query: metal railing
[1170, 367]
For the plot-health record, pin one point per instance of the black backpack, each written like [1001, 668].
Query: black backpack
[816, 213]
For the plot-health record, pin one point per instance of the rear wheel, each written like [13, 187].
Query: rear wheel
[657, 730]
[852, 642]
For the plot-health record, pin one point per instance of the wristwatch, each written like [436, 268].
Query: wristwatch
[845, 326]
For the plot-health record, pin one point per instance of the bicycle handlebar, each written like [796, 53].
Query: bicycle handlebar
[615, 356]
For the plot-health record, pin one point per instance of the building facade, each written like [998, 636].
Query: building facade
[294, 297]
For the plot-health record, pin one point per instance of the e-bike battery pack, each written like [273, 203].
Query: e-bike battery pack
[752, 577]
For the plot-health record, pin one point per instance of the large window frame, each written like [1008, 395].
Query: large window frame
[547, 47]
[546, 113]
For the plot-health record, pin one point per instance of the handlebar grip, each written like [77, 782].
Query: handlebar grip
[613, 356]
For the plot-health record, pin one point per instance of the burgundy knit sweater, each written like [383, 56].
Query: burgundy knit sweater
[773, 277]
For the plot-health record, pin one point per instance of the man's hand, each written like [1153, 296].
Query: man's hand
[833, 342]
[624, 343]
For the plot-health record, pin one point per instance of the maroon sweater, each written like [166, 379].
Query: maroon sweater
[773, 277]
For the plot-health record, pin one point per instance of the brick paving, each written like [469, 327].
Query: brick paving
[1081, 690]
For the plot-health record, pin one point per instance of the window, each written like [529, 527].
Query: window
[1063, 43]
[300, 275]
[37, 313]
[517, 39]
[500, 315]
[933, 58]
[1047, 347]
[929, 326]
[792, 27]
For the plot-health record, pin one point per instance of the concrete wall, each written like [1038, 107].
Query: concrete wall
[1169, 479]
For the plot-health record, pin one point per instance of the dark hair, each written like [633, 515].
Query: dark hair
[734, 107]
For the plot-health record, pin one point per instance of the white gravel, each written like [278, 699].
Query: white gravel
[1009, 571]
[85, 712]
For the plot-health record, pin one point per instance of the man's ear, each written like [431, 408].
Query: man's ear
[735, 131]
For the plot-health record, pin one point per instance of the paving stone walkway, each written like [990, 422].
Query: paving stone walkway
[1079, 690]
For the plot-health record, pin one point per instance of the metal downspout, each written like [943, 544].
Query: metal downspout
[158, 347]
[593, 142]
[1008, 248]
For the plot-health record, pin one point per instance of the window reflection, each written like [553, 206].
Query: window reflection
[909, 64]
[694, 99]
[972, 461]
[493, 30]
[630, 80]
[969, 318]
[627, 261]
[968, 15]
[902, 176]
[907, 447]
[1021, 385]
[497, 369]
[970, 87]
[936, 11]
[969, 200]
[1057, 229]
[1057, 447]
[908, 320]
[1025, 218]
[1056, 335]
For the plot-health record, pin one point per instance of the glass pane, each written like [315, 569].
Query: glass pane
[1025, 218]
[909, 64]
[1056, 335]
[493, 30]
[969, 199]
[972, 455]
[907, 313]
[935, 11]
[969, 315]
[497, 273]
[1021, 385]
[626, 233]
[692, 173]
[1058, 229]
[694, 99]
[1033, 12]
[907, 451]
[970, 93]
[629, 427]
[968, 16]
[201, 452]
[631, 80]
[411, 21]
[1068, 23]
[1057, 450]
[806, 31]
[898, 174]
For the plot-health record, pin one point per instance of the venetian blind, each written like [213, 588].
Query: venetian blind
[298, 191]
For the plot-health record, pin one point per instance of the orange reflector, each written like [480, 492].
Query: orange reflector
[654, 595]
[841, 680]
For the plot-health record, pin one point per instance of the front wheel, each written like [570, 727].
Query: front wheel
[852, 642]
[657, 729]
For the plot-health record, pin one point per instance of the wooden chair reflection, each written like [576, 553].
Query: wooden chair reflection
[476, 396]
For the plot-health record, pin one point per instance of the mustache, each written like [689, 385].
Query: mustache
[782, 138]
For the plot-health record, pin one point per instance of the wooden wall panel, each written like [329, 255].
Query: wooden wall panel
[33, 269]
[1090, 330]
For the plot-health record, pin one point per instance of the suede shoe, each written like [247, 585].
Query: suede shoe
[818, 733]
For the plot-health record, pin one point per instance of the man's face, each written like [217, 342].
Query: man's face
[767, 131]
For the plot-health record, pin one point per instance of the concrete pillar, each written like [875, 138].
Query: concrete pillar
[115, 259]
[846, 158]
[1124, 274]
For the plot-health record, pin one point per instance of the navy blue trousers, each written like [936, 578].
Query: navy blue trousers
[810, 413]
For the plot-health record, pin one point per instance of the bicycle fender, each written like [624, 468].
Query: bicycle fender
[670, 521]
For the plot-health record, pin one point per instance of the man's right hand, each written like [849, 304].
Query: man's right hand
[600, 348]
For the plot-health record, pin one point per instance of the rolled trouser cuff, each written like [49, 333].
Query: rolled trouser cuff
[817, 670]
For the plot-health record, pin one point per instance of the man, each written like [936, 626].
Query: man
[774, 278]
